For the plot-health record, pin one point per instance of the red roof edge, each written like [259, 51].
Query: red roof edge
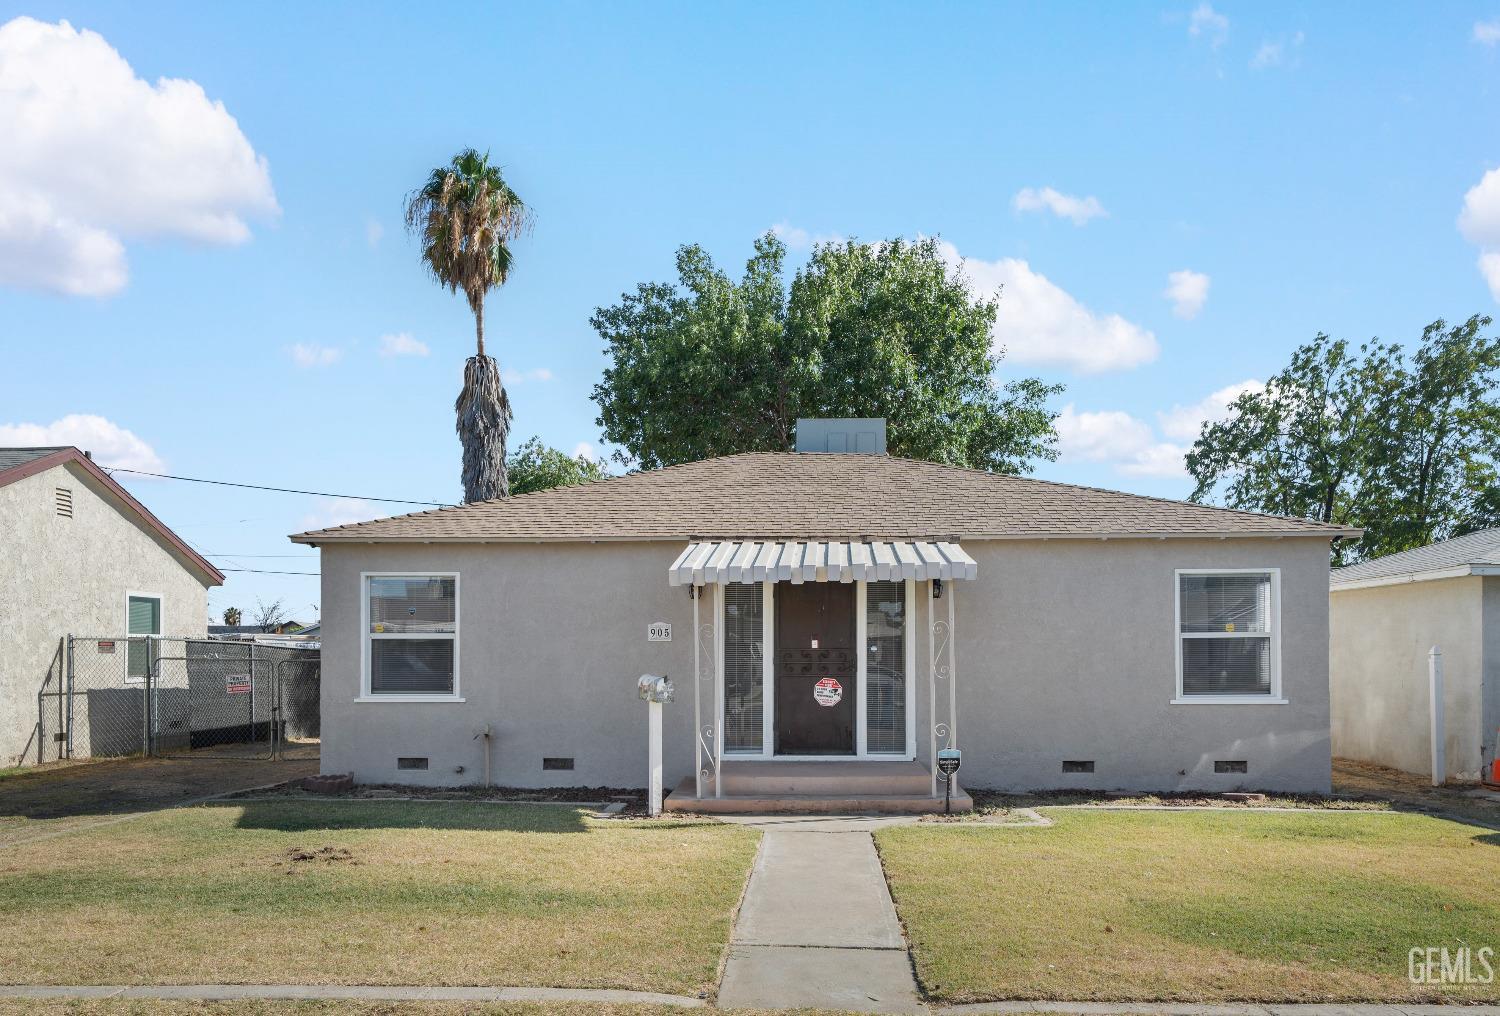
[67, 455]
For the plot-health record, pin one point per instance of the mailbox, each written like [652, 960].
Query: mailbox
[652, 688]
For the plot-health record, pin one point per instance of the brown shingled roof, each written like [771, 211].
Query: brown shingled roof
[786, 495]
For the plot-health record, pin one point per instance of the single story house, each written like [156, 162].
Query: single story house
[79, 555]
[1385, 616]
[830, 621]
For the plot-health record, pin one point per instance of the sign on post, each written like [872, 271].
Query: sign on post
[948, 761]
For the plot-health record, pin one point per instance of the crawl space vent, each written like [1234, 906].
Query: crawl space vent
[1231, 767]
[1078, 766]
[557, 763]
[411, 762]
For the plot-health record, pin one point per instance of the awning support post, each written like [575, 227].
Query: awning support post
[705, 735]
[940, 661]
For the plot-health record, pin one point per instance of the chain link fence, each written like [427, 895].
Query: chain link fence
[166, 696]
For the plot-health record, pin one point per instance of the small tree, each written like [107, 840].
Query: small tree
[536, 466]
[268, 616]
[232, 616]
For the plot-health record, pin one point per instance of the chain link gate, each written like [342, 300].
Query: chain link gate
[174, 697]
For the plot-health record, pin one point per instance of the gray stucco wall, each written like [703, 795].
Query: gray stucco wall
[61, 576]
[1380, 638]
[1066, 650]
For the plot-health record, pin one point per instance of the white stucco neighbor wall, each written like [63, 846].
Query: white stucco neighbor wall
[1378, 673]
[1066, 650]
[61, 576]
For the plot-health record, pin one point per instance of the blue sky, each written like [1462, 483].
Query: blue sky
[221, 282]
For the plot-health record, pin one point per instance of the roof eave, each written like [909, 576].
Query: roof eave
[1408, 578]
[353, 535]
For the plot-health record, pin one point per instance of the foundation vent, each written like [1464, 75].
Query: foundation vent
[1078, 765]
[1222, 766]
[557, 763]
[411, 762]
[64, 502]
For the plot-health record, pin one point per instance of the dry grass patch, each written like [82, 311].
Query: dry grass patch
[375, 893]
[1193, 906]
[152, 1007]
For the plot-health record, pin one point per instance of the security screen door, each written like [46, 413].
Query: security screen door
[815, 668]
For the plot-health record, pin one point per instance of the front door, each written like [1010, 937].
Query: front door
[816, 669]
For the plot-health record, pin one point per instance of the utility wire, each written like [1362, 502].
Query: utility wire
[258, 571]
[278, 490]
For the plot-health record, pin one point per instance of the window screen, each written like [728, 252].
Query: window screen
[412, 634]
[744, 671]
[143, 617]
[1226, 634]
[885, 668]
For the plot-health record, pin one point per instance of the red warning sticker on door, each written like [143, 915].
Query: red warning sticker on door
[828, 692]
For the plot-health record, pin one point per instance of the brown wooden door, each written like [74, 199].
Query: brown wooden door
[815, 669]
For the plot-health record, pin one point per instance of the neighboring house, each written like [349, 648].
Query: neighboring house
[846, 614]
[1386, 615]
[80, 555]
[235, 631]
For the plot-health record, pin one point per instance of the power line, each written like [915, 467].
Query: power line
[299, 557]
[278, 490]
[259, 571]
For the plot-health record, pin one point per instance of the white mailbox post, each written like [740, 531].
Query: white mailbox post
[655, 690]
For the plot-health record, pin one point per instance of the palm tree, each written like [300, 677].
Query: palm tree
[466, 215]
[232, 616]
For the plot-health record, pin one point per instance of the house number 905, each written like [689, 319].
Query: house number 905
[659, 632]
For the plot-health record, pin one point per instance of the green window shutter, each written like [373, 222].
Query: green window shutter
[145, 616]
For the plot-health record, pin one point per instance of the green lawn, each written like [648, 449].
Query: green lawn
[375, 893]
[1190, 906]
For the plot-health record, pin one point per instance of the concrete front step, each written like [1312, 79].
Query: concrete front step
[743, 778]
[682, 800]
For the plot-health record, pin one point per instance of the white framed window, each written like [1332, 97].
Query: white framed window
[142, 620]
[1228, 633]
[409, 637]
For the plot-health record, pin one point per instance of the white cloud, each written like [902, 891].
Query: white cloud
[1487, 32]
[1479, 221]
[1064, 206]
[1131, 446]
[1489, 267]
[1273, 53]
[94, 155]
[1188, 291]
[373, 232]
[1209, 24]
[402, 344]
[111, 444]
[1186, 422]
[1038, 322]
[587, 450]
[311, 355]
[516, 377]
[798, 238]
[338, 511]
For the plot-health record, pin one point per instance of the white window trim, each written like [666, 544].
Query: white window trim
[768, 693]
[1274, 698]
[161, 626]
[366, 636]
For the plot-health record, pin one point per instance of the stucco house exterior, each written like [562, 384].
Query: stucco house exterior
[830, 620]
[80, 555]
[1385, 616]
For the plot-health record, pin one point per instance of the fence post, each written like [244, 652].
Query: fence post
[1435, 714]
[68, 725]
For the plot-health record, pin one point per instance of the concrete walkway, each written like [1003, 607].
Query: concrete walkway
[817, 928]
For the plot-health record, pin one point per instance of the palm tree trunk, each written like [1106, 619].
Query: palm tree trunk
[479, 326]
[483, 426]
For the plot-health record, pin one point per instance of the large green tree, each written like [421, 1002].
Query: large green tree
[713, 366]
[536, 466]
[1405, 450]
[465, 217]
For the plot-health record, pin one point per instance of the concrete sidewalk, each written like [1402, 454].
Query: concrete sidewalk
[818, 928]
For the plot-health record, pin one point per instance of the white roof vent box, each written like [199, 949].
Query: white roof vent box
[866, 436]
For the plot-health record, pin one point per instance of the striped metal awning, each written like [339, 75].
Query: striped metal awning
[721, 561]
